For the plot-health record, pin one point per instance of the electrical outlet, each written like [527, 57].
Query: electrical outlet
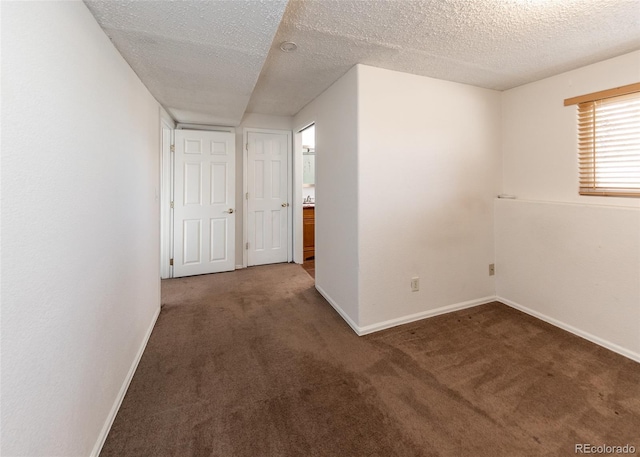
[415, 284]
[492, 269]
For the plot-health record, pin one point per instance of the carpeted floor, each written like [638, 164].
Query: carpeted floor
[310, 267]
[256, 363]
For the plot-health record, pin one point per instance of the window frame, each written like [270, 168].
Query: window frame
[587, 160]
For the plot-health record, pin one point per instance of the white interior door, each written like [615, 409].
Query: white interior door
[204, 202]
[268, 197]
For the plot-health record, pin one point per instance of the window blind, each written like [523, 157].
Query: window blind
[609, 145]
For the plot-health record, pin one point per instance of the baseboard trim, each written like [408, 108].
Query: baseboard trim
[123, 390]
[571, 329]
[340, 311]
[239, 267]
[360, 331]
[424, 315]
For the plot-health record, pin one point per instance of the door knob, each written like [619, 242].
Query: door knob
[230, 211]
[284, 205]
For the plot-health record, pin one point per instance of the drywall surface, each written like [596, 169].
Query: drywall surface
[336, 215]
[80, 227]
[428, 171]
[258, 121]
[200, 59]
[572, 259]
[540, 134]
[577, 266]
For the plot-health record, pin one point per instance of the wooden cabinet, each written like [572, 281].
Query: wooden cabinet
[309, 232]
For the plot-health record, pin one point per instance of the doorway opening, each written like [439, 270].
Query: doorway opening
[308, 135]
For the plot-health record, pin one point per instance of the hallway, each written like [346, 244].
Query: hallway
[256, 363]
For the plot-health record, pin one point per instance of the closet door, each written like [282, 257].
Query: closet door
[268, 197]
[204, 202]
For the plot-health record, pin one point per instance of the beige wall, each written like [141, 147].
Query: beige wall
[569, 259]
[80, 228]
[428, 170]
[335, 115]
[539, 132]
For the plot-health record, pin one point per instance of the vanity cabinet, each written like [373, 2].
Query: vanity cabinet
[309, 232]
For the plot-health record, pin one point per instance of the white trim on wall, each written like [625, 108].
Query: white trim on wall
[425, 314]
[166, 195]
[360, 331]
[339, 310]
[297, 223]
[213, 128]
[102, 437]
[571, 329]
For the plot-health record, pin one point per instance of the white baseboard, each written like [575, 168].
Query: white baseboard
[123, 390]
[424, 314]
[404, 319]
[571, 329]
[340, 311]
[239, 267]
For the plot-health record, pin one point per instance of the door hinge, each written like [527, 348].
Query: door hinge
[173, 148]
[171, 262]
[247, 245]
[247, 146]
[246, 196]
[171, 205]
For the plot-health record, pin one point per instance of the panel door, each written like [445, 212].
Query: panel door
[268, 206]
[204, 202]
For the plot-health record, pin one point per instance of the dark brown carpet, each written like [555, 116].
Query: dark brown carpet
[256, 363]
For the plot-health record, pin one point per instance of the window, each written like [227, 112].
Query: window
[609, 141]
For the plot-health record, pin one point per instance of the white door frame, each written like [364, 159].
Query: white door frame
[298, 238]
[166, 195]
[245, 187]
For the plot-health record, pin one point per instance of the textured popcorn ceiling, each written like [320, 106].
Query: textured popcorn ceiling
[202, 59]
[497, 44]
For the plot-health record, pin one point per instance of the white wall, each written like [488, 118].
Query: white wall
[428, 170]
[576, 266]
[80, 228]
[335, 115]
[259, 121]
[309, 192]
[572, 260]
[539, 132]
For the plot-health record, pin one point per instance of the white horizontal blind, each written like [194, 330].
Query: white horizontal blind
[609, 146]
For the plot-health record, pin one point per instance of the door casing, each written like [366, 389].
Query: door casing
[167, 127]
